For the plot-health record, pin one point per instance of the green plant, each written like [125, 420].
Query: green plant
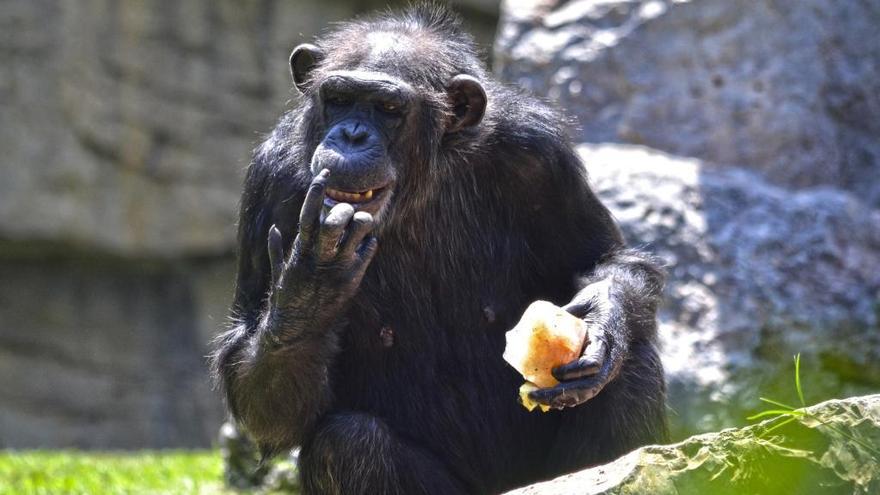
[788, 413]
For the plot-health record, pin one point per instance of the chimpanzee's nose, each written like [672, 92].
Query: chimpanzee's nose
[355, 134]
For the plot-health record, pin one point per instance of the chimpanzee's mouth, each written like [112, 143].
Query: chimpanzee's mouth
[370, 200]
[351, 196]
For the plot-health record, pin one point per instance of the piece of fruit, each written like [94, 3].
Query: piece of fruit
[545, 337]
[526, 401]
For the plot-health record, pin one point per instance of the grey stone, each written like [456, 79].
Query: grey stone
[757, 274]
[103, 353]
[831, 449]
[790, 88]
[125, 128]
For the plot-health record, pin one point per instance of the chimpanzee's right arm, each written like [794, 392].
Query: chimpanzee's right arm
[273, 365]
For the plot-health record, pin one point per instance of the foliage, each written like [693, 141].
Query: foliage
[789, 414]
[73, 473]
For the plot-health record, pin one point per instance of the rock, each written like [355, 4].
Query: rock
[833, 446]
[103, 353]
[125, 129]
[757, 274]
[790, 88]
[128, 129]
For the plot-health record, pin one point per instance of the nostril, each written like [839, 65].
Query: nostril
[356, 135]
[360, 138]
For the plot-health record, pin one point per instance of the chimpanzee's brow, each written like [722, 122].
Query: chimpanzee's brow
[365, 81]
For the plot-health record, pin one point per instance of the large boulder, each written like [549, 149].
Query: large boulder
[787, 87]
[757, 274]
[125, 128]
[831, 449]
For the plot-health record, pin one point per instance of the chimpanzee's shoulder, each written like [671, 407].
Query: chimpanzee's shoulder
[522, 121]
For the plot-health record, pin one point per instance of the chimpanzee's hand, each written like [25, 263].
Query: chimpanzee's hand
[325, 267]
[583, 378]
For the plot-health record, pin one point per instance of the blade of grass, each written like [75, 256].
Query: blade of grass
[797, 379]
[770, 412]
[778, 425]
[777, 403]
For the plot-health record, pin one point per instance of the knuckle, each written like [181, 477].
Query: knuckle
[363, 217]
[332, 223]
[342, 209]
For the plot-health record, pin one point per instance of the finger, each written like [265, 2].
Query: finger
[365, 254]
[590, 361]
[361, 225]
[569, 394]
[595, 353]
[579, 307]
[276, 254]
[310, 215]
[368, 249]
[579, 368]
[332, 229]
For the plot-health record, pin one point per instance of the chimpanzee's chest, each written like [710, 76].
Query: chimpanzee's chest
[418, 314]
[422, 350]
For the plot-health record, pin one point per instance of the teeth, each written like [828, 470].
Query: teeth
[349, 197]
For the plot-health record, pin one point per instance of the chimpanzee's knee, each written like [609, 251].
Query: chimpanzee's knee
[349, 453]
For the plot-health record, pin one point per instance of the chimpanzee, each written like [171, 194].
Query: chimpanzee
[393, 227]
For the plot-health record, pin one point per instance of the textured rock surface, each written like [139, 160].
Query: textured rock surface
[126, 126]
[788, 87]
[124, 131]
[99, 353]
[757, 274]
[833, 449]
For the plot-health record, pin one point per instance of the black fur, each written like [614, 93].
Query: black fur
[404, 389]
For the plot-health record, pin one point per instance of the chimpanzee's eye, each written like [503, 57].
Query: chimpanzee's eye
[389, 107]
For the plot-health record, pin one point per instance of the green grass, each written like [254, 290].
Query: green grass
[73, 472]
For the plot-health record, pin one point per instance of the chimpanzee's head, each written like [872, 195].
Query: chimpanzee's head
[381, 101]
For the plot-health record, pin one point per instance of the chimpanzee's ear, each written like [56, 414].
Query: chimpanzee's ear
[468, 101]
[303, 59]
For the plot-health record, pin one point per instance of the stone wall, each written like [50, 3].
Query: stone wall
[124, 132]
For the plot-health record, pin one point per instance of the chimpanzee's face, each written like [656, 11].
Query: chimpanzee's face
[363, 115]
[371, 124]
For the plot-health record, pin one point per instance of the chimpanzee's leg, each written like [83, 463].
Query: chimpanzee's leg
[356, 453]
